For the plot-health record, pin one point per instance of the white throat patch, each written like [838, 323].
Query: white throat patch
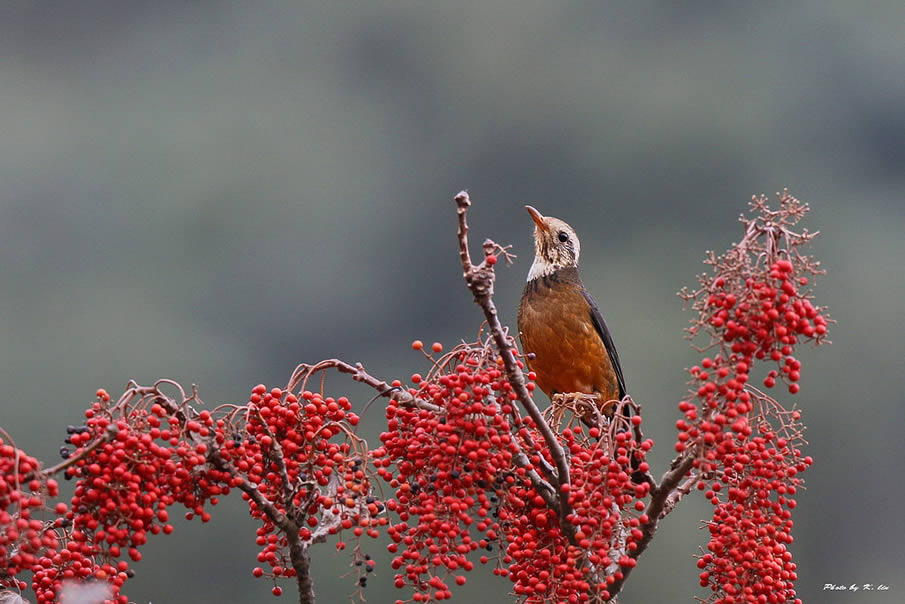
[541, 268]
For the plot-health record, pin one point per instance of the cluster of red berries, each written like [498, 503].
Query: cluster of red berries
[133, 464]
[547, 563]
[450, 454]
[24, 537]
[765, 317]
[748, 558]
[453, 463]
[134, 460]
[74, 561]
[747, 446]
[299, 453]
[753, 475]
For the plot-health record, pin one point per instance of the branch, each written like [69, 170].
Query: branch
[298, 550]
[480, 282]
[662, 500]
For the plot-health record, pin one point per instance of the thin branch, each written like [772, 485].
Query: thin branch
[520, 459]
[281, 520]
[109, 434]
[358, 373]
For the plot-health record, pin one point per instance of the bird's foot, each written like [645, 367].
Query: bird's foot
[591, 408]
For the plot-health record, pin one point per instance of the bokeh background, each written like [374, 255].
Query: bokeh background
[217, 191]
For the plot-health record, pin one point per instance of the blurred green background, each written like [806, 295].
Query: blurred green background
[217, 191]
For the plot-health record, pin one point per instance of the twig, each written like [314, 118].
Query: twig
[357, 371]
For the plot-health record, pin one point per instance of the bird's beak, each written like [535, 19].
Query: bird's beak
[538, 218]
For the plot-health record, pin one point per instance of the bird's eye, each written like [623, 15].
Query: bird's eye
[563, 236]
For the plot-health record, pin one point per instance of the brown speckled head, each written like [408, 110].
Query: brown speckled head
[556, 245]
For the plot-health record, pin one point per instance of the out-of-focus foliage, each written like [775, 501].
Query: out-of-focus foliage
[218, 191]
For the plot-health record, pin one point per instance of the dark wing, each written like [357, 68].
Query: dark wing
[604, 333]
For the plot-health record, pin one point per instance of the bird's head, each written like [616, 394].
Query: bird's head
[556, 245]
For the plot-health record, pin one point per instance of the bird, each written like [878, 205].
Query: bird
[564, 337]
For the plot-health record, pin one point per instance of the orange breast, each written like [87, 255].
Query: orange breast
[569, 356]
